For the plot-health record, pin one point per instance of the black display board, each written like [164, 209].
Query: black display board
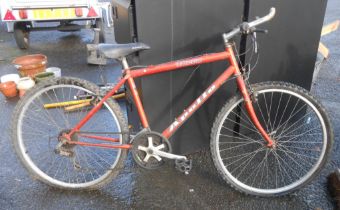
[180, 28]
[176, 29]
[288, 52]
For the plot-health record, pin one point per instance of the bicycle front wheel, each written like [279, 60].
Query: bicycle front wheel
[40, 119]
[297, 123]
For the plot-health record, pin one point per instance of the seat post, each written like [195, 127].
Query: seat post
[125, 63]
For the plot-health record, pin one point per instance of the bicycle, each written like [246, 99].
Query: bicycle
[269, 140]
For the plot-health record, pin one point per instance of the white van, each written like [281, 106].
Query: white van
[22, 16]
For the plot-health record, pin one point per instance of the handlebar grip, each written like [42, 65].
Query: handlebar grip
[263, 19]
[265, 31]
[227, 36]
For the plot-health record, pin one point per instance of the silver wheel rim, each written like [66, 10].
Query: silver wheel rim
[281, 189]
[36, 169]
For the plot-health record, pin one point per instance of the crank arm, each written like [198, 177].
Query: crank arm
[169, 155]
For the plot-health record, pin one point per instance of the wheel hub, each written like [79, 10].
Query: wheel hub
[63, 148]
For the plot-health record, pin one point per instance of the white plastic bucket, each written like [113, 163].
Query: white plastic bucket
[55, 70]
[10, 77]
[25, 83]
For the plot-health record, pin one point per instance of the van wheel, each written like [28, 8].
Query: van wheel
[21, 35]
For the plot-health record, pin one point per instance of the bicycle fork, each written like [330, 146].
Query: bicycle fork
[247, 100]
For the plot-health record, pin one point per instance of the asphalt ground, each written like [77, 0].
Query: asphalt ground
[136, 188]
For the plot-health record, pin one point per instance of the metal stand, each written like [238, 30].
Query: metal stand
[93, 56]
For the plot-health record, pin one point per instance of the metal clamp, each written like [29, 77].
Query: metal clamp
[107, 8]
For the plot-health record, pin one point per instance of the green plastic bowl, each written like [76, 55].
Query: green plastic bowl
[43, 76]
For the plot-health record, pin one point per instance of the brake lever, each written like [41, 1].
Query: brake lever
[264, 31]
[255, 43]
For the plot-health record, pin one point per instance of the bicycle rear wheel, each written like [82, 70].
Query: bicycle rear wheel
[36, 131]
[296, 122]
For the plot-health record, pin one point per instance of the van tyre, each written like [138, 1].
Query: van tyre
[21, 35]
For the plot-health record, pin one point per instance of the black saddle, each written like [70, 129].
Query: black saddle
[115, 51]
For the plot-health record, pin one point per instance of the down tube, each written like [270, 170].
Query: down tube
[198, 102]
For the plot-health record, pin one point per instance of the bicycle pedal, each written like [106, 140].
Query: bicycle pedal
[183, 166]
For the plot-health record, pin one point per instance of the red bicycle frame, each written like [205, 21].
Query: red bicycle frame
[129, 76]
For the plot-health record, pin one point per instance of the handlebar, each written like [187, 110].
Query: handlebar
[263, 19]
[247, 27]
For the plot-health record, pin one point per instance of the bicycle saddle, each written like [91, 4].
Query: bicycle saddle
[115, 51]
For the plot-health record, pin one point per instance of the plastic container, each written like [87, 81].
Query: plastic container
[10, 77]
[24, 84]
[43, 76]
[9, 89]
[30, 65]
[55, 70]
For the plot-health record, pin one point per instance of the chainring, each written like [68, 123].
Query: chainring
[140, 157]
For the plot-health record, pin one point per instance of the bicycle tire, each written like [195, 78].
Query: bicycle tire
[33, 168]
[247, 187]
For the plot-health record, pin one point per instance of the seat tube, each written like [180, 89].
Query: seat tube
[138, 102]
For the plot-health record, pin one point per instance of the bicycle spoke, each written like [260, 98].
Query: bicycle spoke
[264, 120]
[269, 127]
[245, 137]
[257, 170]
[277, 110]
[250, 159]
[305, 162]
[244, 162]
[254, 170]
[290, 157]
[254, 130]
[239, 138]
[37, 118]
[108, 164]
[248, 121]
[248, 153]
[246, 156]
[57, 108]
[302, 142]
[291, 137]
[264, 166]
[229, 148]
[301, 155]
[83, 157]
[47, 114]
[300, 134]
[295, 129]
[284, 111]
[286, 122]
[281, 166]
